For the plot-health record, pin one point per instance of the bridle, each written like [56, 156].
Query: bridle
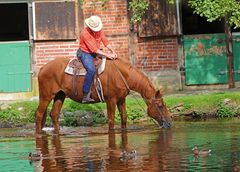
[157, 106]
[147, 101]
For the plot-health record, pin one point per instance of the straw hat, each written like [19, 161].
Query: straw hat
[94, 23]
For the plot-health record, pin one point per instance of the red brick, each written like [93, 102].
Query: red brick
[160, 53]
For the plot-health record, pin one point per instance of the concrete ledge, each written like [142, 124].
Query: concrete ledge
[169, 80]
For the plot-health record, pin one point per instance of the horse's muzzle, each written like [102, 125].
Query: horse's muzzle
[165, 123]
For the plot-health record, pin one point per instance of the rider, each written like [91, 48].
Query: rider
[90, 39]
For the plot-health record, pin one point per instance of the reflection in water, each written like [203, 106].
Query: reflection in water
[93, 149]
[146, 152]
[234, 154]
[158, 152]
[52, 155]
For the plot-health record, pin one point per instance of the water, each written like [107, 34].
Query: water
[94, 149]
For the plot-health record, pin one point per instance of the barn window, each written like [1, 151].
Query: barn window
[54, 20]
[160, 19]
[14, 22]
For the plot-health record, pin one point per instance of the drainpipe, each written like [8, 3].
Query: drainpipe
[30, 29]
[180, 46]
[178, 17]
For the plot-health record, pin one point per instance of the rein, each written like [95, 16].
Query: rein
[129, 91]
[126, 84]
[124, 80]
[147, 101]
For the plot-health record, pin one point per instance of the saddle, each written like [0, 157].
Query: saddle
[76, 68]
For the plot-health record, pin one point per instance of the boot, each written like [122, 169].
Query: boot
[87, 98]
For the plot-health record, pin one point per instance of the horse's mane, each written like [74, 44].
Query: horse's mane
[137, 79]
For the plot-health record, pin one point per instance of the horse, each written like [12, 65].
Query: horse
[118, 78]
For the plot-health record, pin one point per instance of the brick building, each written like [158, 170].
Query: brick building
[50, 29]
[151, 54]
[168, 39]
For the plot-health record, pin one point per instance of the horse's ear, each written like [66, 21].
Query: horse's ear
[159, 94]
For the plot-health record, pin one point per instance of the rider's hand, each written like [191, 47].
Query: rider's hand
[112, 56]
[115, 55]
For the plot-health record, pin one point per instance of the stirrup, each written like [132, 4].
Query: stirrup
[87, 100]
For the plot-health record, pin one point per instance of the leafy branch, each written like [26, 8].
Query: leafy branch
[93, 2]
[218, 9]
[138, 7]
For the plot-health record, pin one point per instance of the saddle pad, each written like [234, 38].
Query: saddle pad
[74, 65]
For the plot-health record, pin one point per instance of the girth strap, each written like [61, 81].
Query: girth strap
[74, 81]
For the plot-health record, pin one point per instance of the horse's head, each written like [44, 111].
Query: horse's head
[157, 109]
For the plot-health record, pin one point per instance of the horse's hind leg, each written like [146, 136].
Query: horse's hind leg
[40, 116]
[57, 105]
[121, 104]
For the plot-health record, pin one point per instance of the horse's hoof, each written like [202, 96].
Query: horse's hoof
[41, 133]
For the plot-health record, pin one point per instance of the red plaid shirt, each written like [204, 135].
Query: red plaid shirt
[90, 41]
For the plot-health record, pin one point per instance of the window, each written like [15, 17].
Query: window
[14, 22]
[54, 20]
[159, 19]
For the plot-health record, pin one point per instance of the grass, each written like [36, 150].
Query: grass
[21, 113]
[202, 102]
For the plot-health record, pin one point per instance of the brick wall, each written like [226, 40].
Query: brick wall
[150, 54]
[46, 51]
[155, 54]
[115, 25]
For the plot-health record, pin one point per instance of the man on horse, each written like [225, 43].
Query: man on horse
[90, 39]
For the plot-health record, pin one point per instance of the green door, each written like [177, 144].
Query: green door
[15, 72]
[205, 59]
[236, 56]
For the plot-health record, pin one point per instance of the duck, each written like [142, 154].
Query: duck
[35, 156]
[204, 152]
[103, 165]
[125, 156]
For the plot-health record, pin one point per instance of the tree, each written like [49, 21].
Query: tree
[229, 10]
[218, 9]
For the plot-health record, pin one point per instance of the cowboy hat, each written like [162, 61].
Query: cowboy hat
[94, 23]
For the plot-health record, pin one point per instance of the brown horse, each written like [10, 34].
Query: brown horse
[117, 80]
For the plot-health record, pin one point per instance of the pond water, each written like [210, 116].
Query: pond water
[140, 148]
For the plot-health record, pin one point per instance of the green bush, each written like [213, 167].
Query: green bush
[132, 115]
[21, 113]
[70, 120]
[83, 118]
[99, 118]
[224, 111]
[11, 116]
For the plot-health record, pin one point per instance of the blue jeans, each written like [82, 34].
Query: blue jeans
[88, 63]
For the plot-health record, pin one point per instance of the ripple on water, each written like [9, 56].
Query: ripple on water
[95, 149]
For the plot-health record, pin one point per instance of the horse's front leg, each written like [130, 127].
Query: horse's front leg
[121, 104]
[40, 116]
[111, 108]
